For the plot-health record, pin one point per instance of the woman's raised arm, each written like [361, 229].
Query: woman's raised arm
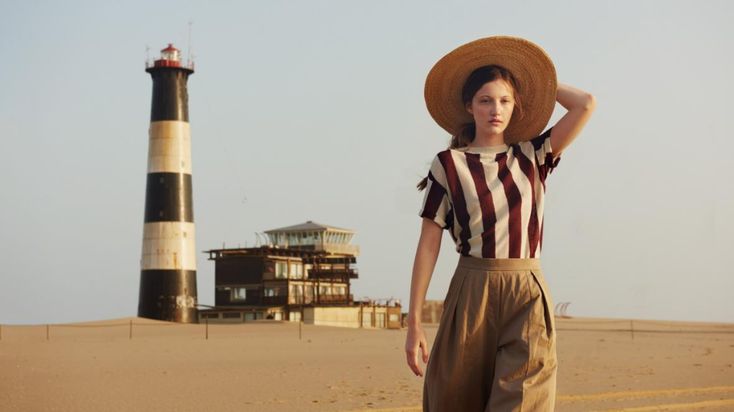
[580, 105]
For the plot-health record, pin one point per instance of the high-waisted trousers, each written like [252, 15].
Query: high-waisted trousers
[495, 349]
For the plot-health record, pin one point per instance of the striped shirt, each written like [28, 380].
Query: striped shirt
[490, 199]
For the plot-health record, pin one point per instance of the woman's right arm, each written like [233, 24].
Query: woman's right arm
[425, 260]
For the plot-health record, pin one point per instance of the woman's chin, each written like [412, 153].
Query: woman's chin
[493, 130]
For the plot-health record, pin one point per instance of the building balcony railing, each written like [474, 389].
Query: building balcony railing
[301, 300]
[305, 300]
[346, 249]
[335, 298]
[274, 300]
[317, 273]
[336, 248]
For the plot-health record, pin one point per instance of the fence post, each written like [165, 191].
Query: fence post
[47, 332]
[131, 329]
[207, 328]
[300, 323]
[1, 331]
[632, 329]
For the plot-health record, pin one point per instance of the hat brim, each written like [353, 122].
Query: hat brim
[529, 64]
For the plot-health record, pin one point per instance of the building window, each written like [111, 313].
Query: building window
[239, 294]
[275, 315]
[296, 270]
[296, 294]
[307, 269]
[274, 291]
[281, 270]
[297, 290]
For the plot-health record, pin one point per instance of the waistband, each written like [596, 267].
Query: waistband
[472, 262]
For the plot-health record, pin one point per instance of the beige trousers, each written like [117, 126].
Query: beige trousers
[495, 346]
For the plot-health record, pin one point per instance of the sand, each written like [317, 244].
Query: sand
[265, 366]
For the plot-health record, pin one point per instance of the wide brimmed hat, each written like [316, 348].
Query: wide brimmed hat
[529, 64]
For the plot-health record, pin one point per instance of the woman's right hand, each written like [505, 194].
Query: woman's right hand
[415, 346]
[425, 260]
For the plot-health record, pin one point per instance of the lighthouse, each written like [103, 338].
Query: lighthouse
[168, 262]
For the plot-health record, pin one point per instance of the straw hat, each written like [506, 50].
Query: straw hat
[531, 66]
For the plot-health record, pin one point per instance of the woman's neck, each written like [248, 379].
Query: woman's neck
[487, 140]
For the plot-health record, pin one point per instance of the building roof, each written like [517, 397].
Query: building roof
[309, 226]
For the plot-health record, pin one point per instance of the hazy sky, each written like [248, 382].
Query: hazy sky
[314, 111]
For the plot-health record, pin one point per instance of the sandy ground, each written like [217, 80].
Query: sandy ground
[97, 366]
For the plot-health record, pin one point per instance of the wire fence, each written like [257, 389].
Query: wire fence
[49, 331]
[132, 329]
[633, 327]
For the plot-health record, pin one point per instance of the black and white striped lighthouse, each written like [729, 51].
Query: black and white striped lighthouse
[168, 263]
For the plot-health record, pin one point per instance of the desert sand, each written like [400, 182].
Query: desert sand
[605, 364]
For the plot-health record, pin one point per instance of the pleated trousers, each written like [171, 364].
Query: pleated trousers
[494, 350]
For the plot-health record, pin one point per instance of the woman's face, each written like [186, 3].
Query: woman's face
[492, 107]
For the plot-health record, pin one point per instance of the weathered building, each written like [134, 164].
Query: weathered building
[304, 272]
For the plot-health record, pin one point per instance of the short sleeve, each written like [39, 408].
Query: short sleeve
[436, 203]
[544, 156]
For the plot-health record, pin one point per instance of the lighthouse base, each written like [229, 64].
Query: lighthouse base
[168, 295]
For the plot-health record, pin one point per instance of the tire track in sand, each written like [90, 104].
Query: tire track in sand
[647, 394]
[690, 406]
[569, 400]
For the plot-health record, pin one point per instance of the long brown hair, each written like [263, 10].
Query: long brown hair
[474, 82]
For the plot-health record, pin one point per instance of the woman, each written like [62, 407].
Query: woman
[495, 346]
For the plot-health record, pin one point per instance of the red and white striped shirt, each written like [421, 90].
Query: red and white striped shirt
[491, 198]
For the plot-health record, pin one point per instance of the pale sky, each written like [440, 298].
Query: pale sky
[314, 111]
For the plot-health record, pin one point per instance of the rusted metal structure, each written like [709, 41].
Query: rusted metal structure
[168, 262]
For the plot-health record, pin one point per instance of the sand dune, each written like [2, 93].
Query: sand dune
[140, 364]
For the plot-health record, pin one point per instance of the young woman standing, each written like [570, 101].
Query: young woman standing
[495, 346]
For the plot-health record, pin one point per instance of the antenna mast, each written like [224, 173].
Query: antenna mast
[188, 58]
